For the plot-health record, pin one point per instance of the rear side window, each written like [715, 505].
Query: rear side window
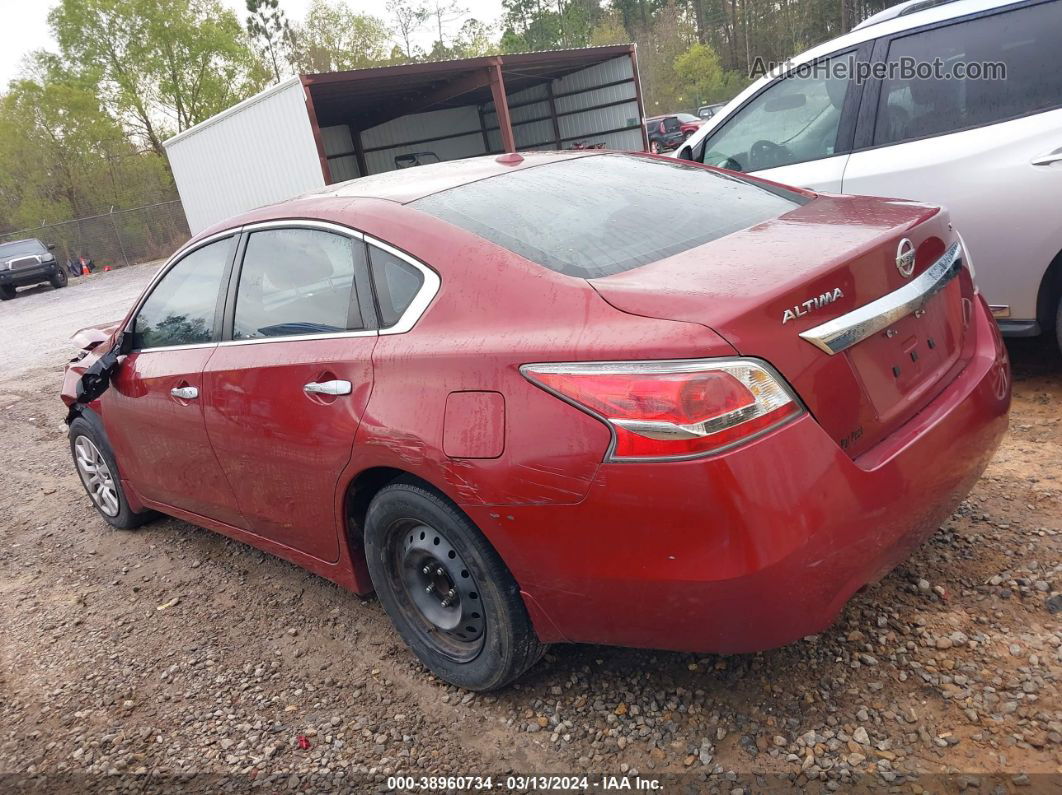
[296, 281]
[396, 283]
[181, 308]
[1025, 41]
[605, 214]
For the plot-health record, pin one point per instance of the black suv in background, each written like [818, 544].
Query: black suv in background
[26, 262]
[664, 133]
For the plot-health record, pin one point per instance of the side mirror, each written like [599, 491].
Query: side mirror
[686, 153]
[51, 246]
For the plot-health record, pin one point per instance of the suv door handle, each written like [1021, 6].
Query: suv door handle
[328, 388]
[1048, 159]
[185, 392]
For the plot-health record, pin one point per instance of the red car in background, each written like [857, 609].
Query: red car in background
[698, 427]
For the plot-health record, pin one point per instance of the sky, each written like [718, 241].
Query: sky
[24, 24]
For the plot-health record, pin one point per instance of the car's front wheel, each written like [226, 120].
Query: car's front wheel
[98, 470]
[7, 292]
[59, 278]
[446, 590]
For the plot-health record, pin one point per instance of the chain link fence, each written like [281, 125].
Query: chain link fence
[117, 238]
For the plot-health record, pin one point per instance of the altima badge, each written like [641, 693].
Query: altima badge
[905, 258]
[815, 302]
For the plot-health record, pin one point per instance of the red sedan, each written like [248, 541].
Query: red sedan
[530, 399]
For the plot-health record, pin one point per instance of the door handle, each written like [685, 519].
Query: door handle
[328, 388]
[1049, 158]
[185, 392]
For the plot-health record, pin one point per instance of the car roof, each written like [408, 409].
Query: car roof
[409, 184]
[912, 14]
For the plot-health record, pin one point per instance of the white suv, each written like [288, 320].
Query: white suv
[988, 149]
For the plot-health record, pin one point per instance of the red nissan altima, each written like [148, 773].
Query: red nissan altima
[530, 400]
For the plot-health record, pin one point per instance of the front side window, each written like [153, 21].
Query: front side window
[296, 281]
[396, 283]
[969, 88]
[620, 211]
[792, 121]
[181, 308]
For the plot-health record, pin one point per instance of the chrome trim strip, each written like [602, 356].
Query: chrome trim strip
[302, 223]
[999, 310]
[416, 308]
[421, 300]
[843, 332]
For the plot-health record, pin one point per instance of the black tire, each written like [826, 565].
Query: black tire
[88, 427]
[59, 278]
[405, 527]
[7, 292]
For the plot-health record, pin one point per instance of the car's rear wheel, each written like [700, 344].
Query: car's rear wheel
[59, 278]
[7, 292]
[446, 590]
[98, 470]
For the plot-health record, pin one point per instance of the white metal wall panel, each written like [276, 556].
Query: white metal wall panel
[437, 131]
[596, 96]
[343, 168]
[594, 122]
[419, 126]
[590, 89]
[337, 140]
[534, 133]
[597, 75]
[462, 146]
[257, 152]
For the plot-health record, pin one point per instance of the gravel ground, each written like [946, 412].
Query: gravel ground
[171, 656]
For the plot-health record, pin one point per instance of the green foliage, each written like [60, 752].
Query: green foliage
[701, 74]
[268, 28]
[335, 38]
[62, 156]
[407, 17]
[161, 66]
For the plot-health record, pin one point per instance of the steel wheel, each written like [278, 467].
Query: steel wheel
[96, 475]
[442, 596]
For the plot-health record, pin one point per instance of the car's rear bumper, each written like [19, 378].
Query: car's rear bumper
[757, 547]
[34, 274]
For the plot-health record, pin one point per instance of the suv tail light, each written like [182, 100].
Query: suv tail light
[673, 409]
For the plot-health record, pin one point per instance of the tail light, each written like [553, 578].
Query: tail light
[673, 409]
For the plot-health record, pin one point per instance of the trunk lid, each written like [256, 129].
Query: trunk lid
[762, 287]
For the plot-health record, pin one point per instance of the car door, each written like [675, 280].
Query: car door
[153, 412]
[989, 149]
[797, 130]
[287, 387]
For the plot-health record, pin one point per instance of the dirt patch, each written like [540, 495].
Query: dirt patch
[174, 651]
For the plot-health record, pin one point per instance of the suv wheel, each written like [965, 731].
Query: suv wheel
[59, 278]
[95, 463]
[449, 595]
[7, 292]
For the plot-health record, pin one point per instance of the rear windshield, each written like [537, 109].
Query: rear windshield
[21, 247]
[671, 123]
[605, 214]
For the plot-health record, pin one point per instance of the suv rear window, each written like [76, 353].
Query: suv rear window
[619, 211]
[671, 123]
